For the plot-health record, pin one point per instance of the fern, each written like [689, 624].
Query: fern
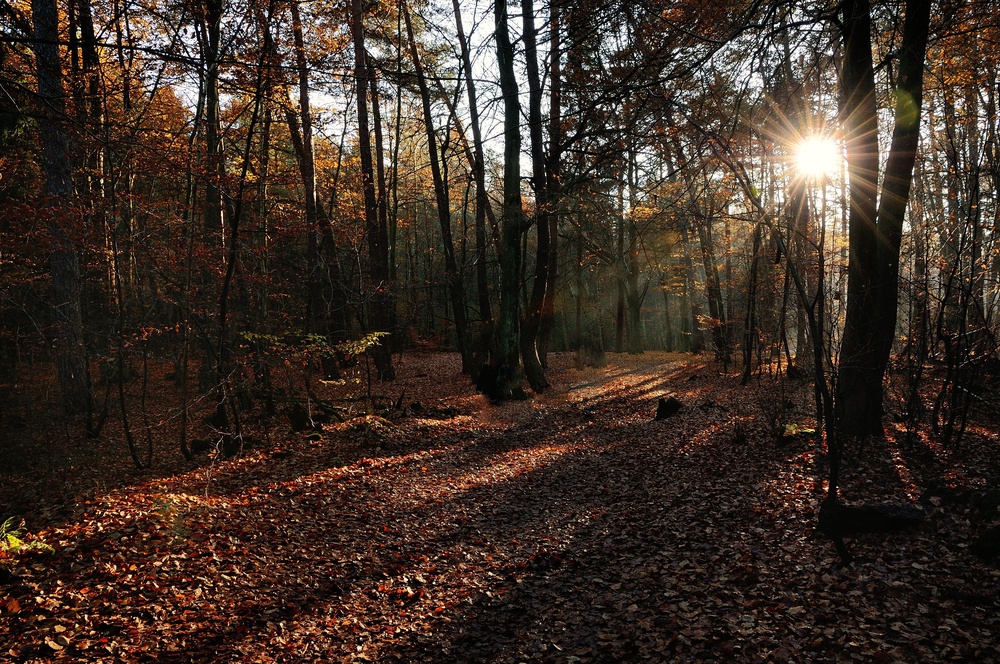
[12, 539]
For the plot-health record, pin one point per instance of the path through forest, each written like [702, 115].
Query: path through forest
[569, 528]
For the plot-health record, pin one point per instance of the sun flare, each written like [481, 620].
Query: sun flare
[818, 156]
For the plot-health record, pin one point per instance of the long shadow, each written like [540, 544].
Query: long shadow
[92, 553]
[538, 524]
[592, 537]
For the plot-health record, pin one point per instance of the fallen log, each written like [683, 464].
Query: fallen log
[837, 520]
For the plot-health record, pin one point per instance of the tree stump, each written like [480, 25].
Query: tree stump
[667, 408]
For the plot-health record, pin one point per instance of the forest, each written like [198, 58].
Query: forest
[544, 331]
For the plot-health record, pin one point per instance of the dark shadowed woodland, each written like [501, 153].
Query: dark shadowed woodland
[465, 332]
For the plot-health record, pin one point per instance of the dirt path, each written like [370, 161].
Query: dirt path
[570, 528]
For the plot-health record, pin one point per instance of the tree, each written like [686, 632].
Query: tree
[876, 217]
[539, 183]
[505, 371]
[452, 273]
[478, 173]
[378, 235]
[325, 305]
[64, 265]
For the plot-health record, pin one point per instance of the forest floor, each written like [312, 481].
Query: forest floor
[571, 527]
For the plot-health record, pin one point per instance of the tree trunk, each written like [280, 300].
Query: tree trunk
[713, 292]
[750, 324]
[554, 177]
[390, 320]
[452, 273]
[506, 360]
[693, 308]
[633, 295]
[875, 233]
[215, 156]
[378, 253]
[64, 266]
[302, 140]
[533, 316]
[478, 174]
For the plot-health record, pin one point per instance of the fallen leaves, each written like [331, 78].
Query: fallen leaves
[521, 532]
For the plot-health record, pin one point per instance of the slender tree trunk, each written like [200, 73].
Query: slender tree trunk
[395, 342]
[381, 298]
[214, 208]
[554, 181]
[668, 326]
[750, 325]
[697, 335]
[533, 316]
[224, 351]
[716, 307]
[479, 174]
[621, 269]
[452, 273]
[633, 295]
[301, 130]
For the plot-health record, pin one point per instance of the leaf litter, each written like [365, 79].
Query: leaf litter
[568, 528]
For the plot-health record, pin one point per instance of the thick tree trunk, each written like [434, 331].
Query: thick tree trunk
[875, 233]
[64, 266]
[506, 361]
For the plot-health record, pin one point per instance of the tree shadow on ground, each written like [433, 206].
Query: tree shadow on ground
[568, 536]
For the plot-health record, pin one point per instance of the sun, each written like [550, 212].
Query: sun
[817, 156]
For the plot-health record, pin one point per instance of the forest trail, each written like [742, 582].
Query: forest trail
[568, 528]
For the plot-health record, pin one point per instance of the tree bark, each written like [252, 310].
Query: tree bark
[533, 316]
[378, 251]
[506, 360]
[452, 273]
[64, 266]
[875, 233]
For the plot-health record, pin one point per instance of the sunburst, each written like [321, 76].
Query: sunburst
[818, 156]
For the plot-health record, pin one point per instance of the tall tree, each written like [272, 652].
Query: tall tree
[64, 264]
[215, 154]
[301, 130]
[876, 218]
[553, 174]
[378, 234]
[539, 183]
[478, 174]
[452, 273]
[505, 371]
